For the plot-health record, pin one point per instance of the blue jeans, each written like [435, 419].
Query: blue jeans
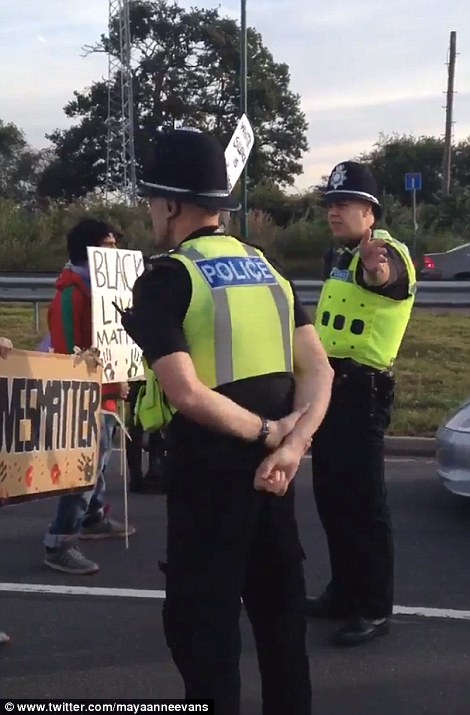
[74, 508]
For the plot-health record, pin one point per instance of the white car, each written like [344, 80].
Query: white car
[453, 452]
[453, 265]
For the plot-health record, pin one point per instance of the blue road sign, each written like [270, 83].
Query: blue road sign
[413, 182]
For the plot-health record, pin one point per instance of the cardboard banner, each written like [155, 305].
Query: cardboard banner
[113, 274]
[238, 150]
[50, 410]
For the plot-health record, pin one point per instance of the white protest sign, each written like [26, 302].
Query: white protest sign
[113, 274]
[238, 151]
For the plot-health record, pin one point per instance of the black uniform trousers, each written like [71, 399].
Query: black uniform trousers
[226, 542]
[350, 491]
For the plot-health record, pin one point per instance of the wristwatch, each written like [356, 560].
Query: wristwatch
[264, 431]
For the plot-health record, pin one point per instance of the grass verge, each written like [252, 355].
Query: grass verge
[433, 368]
[433, 371]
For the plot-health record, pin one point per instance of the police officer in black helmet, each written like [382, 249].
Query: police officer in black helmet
[362, 316]
[235, 353]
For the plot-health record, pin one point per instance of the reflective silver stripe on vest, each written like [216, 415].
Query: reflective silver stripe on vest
[282, 305]
[222, 327]
[223, 322]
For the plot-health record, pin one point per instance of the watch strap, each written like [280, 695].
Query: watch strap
[264, 431]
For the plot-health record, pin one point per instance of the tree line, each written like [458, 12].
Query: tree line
[186, 72]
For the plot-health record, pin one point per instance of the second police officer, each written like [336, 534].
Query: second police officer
[362, 316]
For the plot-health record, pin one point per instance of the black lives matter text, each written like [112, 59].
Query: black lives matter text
[115, 273]
[110, 318]
[47, 415]
[117, 270]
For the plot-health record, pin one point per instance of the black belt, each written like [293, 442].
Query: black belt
[363, 383]
[347, 366]
[348, 371]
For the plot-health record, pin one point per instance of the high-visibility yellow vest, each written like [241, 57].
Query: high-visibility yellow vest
[152, 408]
[240, 320]
[357, 323]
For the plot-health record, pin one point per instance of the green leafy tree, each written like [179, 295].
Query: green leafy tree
[394, 156]
[20, 165]
[186, 69]
[284, 208]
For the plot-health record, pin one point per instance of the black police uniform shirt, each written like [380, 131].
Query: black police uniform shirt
[161, 301]
[397, 286]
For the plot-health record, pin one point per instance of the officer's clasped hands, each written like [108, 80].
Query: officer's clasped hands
[280, 429]
[278, 469]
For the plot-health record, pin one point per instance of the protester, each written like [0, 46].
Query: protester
[82, 515]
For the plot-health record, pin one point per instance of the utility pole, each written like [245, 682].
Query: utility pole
[243, 110]
[447, 162]
[120, 151]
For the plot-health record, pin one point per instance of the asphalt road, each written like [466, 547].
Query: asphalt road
[89, 646]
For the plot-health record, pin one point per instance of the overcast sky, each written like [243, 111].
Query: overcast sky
[361, 68]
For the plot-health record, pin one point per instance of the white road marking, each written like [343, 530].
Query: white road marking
[80, 590]
[448, 613]
[396, 460]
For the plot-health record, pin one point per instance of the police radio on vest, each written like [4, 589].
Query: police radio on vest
[235, 271]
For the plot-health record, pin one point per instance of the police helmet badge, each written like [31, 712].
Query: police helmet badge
[350, 181]
[338, 176]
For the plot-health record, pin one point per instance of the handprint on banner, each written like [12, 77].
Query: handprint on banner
[28, 477]
[85, 466]
[55, 474]
[109, 365]
[135, 363]
[3, 471]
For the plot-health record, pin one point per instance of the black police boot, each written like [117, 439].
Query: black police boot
[324, 606]
[361, 630]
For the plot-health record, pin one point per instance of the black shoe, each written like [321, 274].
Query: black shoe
[361, 630]
[323, 606]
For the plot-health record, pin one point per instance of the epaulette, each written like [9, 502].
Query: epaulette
[152, 260]
[156, 256]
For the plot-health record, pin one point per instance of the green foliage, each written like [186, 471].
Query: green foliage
[20, 165]
[187, 70]
[34, 239]
[394, 156]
